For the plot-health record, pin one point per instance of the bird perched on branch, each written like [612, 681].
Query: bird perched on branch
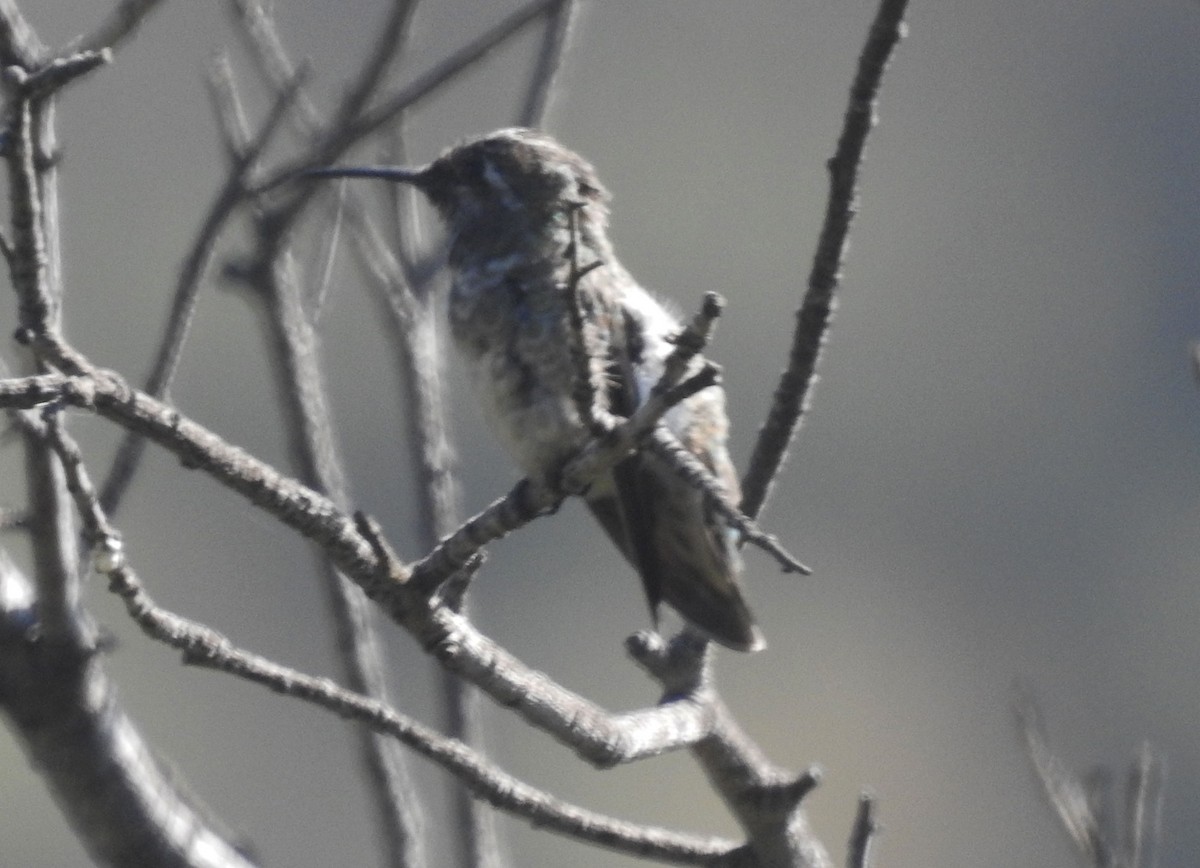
[523, 212]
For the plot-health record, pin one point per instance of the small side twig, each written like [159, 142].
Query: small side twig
[59, 72]
[389, 43]
[690, 342]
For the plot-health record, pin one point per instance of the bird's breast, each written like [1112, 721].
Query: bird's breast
[513, 331]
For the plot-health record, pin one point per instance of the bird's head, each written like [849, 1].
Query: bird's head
[511, 176]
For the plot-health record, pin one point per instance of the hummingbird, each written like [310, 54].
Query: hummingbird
[520, 211]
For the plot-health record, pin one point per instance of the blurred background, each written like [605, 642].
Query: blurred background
[998, 480]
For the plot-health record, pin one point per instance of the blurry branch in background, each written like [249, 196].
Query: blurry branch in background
[862, 834]
[408, 314]
[1105, 834]
[291, 340]
[122, 24]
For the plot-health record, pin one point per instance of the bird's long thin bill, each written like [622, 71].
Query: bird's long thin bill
[385, 173]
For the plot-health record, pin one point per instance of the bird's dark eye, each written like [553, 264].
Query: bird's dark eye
[471, 171]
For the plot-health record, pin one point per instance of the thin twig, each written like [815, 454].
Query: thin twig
[122, 24]
[862, 834]
[665, 445]
[36, 306]
[423, 86]
[449, 68]
[313, 448]
[392, 38]
[266, 50]
[34, 270]
[19, 43]
[791, 395]
[543, 80]
[57, 73]
[406, 229]
[1065, 792]
[412, 319]
[232, 123]
[766, 800]
[690, 342]
[327, 260]
[1143, 800]
[588, 355]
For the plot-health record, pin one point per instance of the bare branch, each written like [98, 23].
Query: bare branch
[862, 835]
[587, 353]
[203, 646]
[412, 319]
[57, 74]
[451, 67]
[424, 85]
[328, 259]
[122, 24]
[126, 808]
[791, 395]
[33, 196]
[1143, 808]
[297, 506]
[542, 81]
[765, 800]
[393, 36]
[28, 261]
[1085, 806]
[19, 44]
[666, 446]
[232, 123]
[266, 50]
[569, 718]
[691, 341]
